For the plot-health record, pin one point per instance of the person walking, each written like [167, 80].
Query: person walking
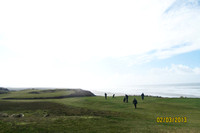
[106, 96]
[113, 95]
[135, 103]
[142, 95]
[126, 98]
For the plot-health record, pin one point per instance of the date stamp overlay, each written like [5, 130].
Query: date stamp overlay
[171, 119]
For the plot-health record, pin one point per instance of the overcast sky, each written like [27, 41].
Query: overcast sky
[99, 43]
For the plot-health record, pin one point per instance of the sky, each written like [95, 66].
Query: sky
[102, 43]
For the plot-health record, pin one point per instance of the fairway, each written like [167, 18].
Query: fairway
[95, 114]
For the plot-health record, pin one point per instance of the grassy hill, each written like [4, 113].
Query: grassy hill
[95, 114]
[3, 90]
[46, 94]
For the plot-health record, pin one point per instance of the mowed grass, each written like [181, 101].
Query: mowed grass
[95, 114]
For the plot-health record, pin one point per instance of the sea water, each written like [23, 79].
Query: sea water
[168, 90]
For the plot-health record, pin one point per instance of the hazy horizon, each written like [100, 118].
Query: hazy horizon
[191, 90]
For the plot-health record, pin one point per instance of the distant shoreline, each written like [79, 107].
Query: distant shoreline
[123, 94]
[189, 90]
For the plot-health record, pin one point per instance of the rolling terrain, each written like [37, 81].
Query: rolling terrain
[94, 113]
[46, 94]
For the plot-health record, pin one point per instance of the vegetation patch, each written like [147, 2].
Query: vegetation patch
[3, 90]
[51, 108]
[96, 114]
[46, 94]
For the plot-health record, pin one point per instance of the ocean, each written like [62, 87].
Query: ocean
[191, 90]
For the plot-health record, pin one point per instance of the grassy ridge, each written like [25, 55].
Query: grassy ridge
[45, 94]
[30, 94]
[95, 114]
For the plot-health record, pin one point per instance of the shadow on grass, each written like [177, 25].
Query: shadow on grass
[52, 108]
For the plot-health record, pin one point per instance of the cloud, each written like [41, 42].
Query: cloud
[177, 70]
[170, 74]
[59, 37]
[182, 5]
[102, 29]
[176, 74]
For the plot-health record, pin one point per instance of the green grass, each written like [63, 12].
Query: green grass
[95, 114]
[39, 93]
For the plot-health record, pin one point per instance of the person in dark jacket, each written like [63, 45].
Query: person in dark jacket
[126, 98]
[142, 95]
[106, 96]
[113, 95]
[135, 103]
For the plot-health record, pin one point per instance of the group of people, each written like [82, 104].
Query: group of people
[125, 100]
[106, 96]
